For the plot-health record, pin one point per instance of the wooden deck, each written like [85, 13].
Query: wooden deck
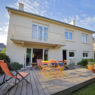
[40, 85]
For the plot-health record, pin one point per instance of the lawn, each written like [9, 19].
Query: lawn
[88, 90]
[3, 51]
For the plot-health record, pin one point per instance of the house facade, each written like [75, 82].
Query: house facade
[32, 37]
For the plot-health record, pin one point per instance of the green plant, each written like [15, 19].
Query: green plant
[83, 62]
[90, 63]
[16, 66]
[72, 64]
[3, 51]
[4, 57]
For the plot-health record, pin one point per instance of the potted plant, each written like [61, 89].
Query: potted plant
[90, 66]
[93, 70]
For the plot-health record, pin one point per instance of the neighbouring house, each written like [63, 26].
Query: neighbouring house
[94, 45]
[2, 47]
[32, 37]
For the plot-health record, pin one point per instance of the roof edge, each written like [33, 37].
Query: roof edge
[9, 8]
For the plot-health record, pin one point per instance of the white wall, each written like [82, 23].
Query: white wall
[20, 28]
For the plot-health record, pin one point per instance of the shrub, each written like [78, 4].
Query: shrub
[4, 57]
[83, 62]
[16, 66]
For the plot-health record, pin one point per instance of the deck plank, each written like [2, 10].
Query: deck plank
[23, 91]
[19, 88]
[13, 91]
[34, 86]
[49, 86]
[42, 83]
[29, 86]
[39, 86]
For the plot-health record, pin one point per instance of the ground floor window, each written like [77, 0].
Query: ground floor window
[71, 54]
[85, 54]
[32, 54]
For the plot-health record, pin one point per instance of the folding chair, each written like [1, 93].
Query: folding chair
[18, 76]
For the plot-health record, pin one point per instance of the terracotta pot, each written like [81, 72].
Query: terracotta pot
[93, 64]
[93, 70]
[90, 67]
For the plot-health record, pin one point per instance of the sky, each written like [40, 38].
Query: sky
[82, 11]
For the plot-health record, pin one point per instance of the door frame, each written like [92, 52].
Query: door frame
[66, 54]
[43, 49]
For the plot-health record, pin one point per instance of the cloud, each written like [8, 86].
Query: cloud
[3, 33]
[84, 21]
[35, 6]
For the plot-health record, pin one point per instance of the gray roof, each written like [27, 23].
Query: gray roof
[8, 8]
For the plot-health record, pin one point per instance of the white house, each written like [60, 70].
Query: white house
[32, 37]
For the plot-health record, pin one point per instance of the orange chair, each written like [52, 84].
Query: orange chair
[18, 76]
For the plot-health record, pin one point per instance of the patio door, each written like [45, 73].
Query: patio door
[32, 54]
[64, 55]
[37, 54]
[28, 57]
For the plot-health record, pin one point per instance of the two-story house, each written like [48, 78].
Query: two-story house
[32, 37]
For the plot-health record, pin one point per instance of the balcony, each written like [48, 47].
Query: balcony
[47, 44]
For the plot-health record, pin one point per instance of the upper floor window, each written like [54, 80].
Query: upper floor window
[84, 38]
[68, 35]
[39, 32]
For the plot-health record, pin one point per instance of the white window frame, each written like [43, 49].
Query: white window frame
[83, 38]
[85, 53]
[37, 37]
[69, 35]
[74, 54]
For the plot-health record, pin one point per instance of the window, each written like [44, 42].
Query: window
[85, 54]
[45, 33]
[68, 35]
[84, 38]
[34, 31]
[71, 54]
[39, 32]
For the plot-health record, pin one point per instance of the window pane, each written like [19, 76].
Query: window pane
[40, 33]
[71, 54]
[46, 55]
[34, 31]
[85, 54]
[28, 57]
[45, 33]
[84, 38]
[66, 35]
[70, 36]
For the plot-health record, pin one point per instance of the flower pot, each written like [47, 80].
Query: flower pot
[93, 70]
[90, 67]
[94, 65]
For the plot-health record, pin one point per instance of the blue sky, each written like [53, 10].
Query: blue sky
[83, 11]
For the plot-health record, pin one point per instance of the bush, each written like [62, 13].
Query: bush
[16, 66]
[83, 62]
[4, 57]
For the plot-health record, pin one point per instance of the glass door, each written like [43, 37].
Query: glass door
[32, 54]
[37, 54]
[28, 57]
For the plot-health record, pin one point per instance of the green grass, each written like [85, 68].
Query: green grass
[88, 90]
[3, 51]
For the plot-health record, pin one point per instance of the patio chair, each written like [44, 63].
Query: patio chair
[18, 76]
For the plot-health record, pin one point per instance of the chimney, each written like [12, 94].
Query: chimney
[72, 22]
[21, 6]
